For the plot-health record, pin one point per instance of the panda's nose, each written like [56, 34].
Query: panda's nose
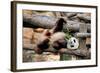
[72, 45]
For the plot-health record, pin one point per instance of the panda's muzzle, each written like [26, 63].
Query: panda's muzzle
[72, 45]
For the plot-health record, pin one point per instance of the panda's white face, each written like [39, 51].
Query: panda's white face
[72, 43]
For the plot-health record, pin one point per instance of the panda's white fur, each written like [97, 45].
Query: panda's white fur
[72, 43]
[57, 36]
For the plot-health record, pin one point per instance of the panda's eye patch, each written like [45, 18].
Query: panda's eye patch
[74, 41]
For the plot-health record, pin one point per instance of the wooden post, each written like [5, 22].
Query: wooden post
[82, 40]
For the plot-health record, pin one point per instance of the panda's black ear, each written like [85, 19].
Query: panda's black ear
[47, 33]
[59, 25]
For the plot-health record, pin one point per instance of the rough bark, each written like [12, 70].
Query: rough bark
[83, 35]
[77, 52]
[84, 17]
[49, 22]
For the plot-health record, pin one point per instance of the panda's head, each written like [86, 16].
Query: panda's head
[72, 43]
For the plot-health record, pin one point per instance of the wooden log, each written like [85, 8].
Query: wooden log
[69, 15]
[28, 46]
[77, 52]
[82, 41]
[49, 22]
[45, 57]
[84, 17]
[27, 12]
[58, 14]
[27, 33]
[40, 20]
[26, 40]
[83, 29]
[46, 13]
[83, 35]
[88, 43]
[39, 30]
[88, 40]
[28, 55]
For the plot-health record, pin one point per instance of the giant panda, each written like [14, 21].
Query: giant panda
[53, 37]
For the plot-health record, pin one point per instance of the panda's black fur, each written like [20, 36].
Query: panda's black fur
[54, 37]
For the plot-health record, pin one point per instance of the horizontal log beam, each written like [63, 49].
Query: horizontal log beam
[77, 52]
[82, 35]
[84, 17]
[49, 22]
